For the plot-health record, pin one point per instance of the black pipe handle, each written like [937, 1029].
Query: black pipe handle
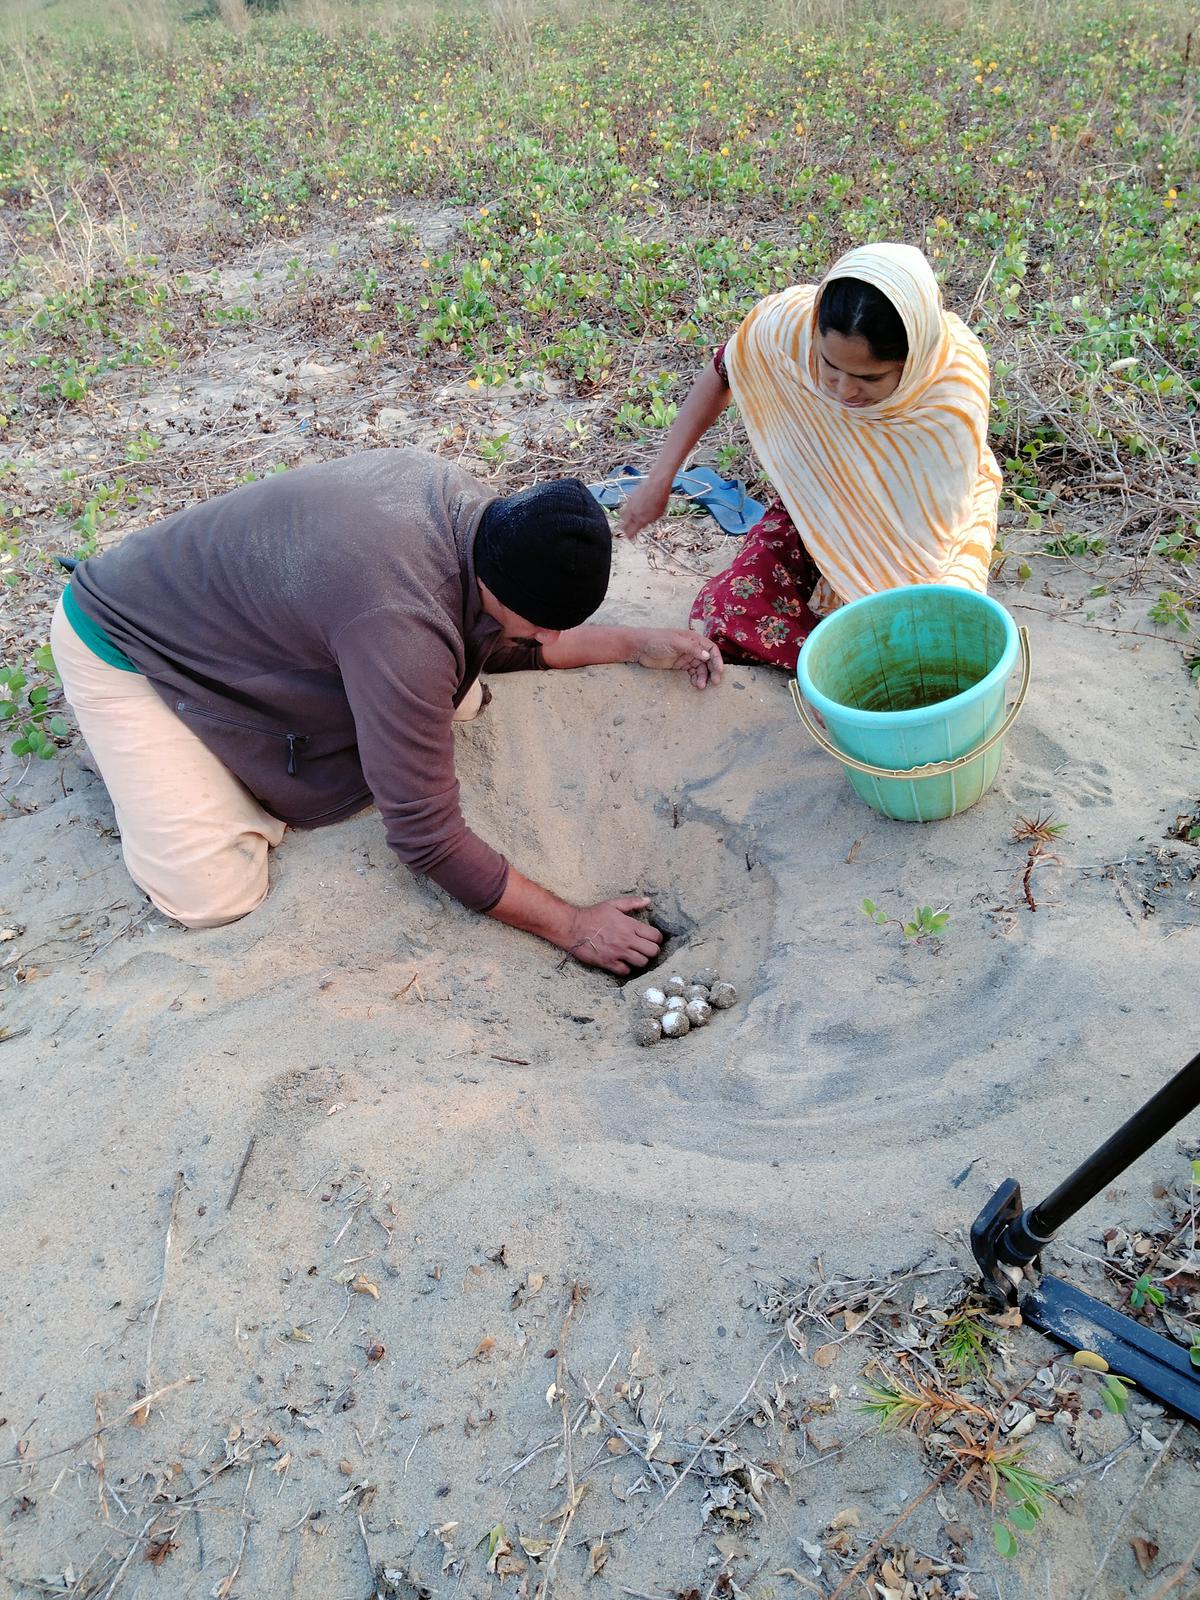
[1132, 1139]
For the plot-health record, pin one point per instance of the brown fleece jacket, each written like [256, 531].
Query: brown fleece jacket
[316, 630]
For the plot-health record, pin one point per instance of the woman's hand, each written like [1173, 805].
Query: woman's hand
[644, 506]
[680, 650]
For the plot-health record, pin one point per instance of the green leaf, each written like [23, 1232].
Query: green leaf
[59, 727]
[1111, 1402]
[1015, 1494]
[21, 747]
[1005, 1539]
[869, 907]
[1024, 1517]
[1194, 1355]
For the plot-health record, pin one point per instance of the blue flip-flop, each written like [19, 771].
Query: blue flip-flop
[613, 491]
[725, 499]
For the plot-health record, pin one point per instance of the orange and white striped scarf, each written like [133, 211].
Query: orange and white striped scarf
[903, 491]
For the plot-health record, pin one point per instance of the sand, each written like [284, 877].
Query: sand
[440, 1106]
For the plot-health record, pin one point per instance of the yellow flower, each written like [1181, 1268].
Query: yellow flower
[485, 265]
[473, 383]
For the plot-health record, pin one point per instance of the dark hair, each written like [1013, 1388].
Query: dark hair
[857, 309]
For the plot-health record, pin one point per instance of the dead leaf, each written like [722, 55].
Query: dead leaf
[1089, 1361]
[891, 1574]
[853, 1320]
[569, 1507]
[599, 1555]
[376, 1352]
[1145, 1550]
[958, 1533]
[1011, 1318]
[363, 1285]
[8, 934]
[498, 1547]
[298, 1336]
[283, 1463]
[535, 1549]
[849, 1518]
[534, 1284]
[484, 1348]
[826, 1354]
[158, 1550]
[617, 1447]
[346, 1468]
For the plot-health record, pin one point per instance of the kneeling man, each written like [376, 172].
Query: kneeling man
[287, 653]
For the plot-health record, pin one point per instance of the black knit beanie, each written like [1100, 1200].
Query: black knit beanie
[545, 553]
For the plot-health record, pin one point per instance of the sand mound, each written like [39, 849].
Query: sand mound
[424, 1087]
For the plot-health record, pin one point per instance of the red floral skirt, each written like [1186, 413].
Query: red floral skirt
[757, 609]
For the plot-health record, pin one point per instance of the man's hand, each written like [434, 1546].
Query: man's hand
[606, 935]
[679, 649]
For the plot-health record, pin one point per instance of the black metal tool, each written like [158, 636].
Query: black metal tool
[1007, 1239]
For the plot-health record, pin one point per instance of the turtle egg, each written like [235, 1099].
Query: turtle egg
[723, 996]
[647, 1030]
[698, 1012]
[675, 985]
[676, 1003]
[654, 997]
[695, 991]
[707, 976]
[675, 1024]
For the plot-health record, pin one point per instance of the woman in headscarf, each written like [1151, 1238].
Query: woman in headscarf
[867, 405]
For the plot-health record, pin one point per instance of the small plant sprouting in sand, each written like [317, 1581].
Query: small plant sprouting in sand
[926, 923]
[964, 1347]
[1028, 1494]
[1038, 830]
[1039, 833]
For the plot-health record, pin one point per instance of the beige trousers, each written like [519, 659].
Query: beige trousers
[194, 838]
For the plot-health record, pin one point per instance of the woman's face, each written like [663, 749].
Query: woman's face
[848, 372]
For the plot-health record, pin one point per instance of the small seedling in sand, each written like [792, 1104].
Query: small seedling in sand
[1028, 1494]
[1170, 610]
[1145, 1293]
[28, 713]
[1039, 829]
[964, 1347]
[1039, 833]
[926, 922]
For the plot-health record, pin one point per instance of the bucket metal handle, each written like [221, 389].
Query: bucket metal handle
[932, 769]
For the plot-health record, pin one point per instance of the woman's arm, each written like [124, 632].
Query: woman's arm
[708, 398]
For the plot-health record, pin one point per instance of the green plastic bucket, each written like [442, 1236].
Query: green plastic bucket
[910, 685]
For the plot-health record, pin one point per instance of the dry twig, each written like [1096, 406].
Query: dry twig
[142, 1414]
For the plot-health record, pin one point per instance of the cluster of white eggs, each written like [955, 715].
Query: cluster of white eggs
[674, 1008]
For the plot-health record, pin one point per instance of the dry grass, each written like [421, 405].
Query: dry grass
[234, 15]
